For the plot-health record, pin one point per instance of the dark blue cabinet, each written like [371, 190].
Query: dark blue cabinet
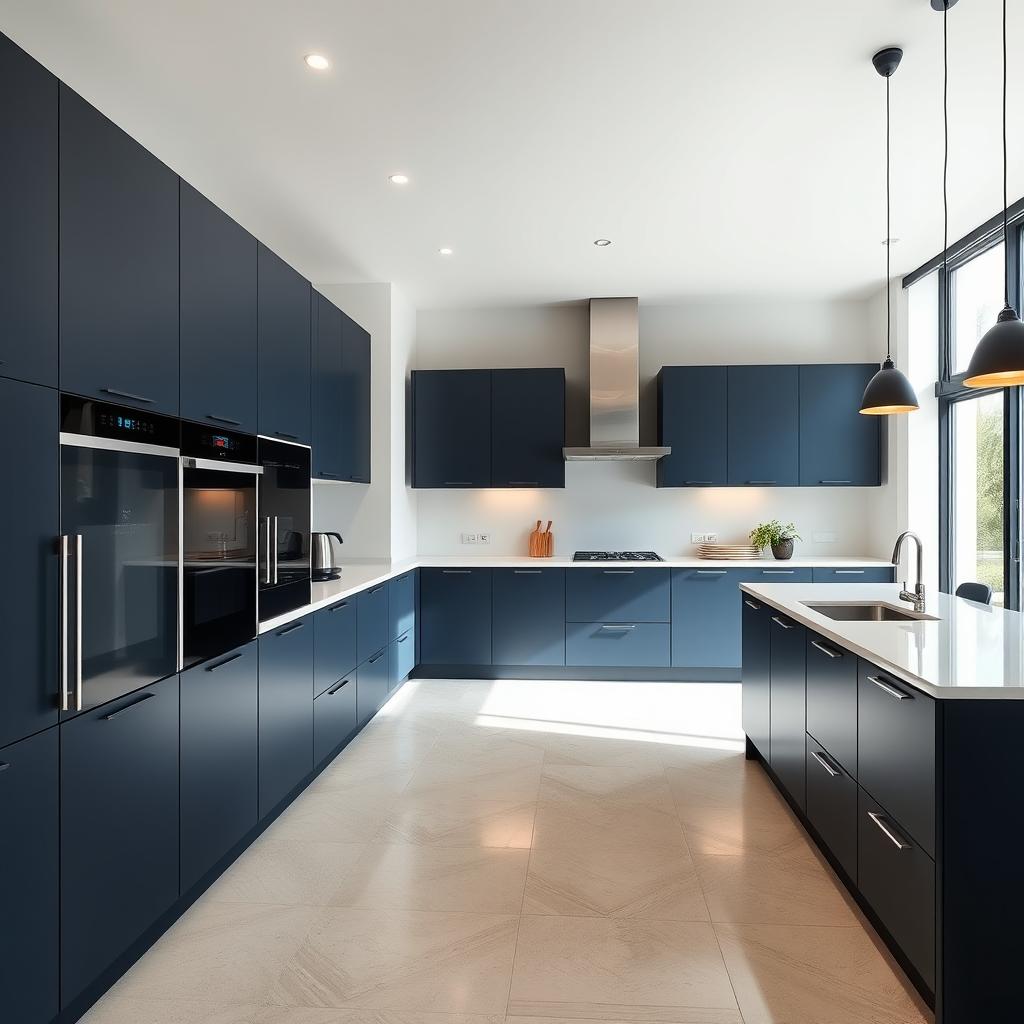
[28, 610]
[334, 643]
[868, 574]
[283, 299]
[119, 829]
[693, 421]
[334, 717]
[355, 406]
[618, 595]
[401, 605]
[219, 759]
[838, 446]
[372, 685]
[706, 618]
[286, 711]
[402, 656]
[118, 264]
[832, 700]
[455, 616]
[30, 879]
[218, 316]
[329, 441]
[28, 215]
[528, 617]
[788, 744]
[757, 669]
[527, 428]
[764, 426]
[617, 644]
[372, 616]
[451, 428]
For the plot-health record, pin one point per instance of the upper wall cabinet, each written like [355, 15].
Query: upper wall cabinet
[218, 316]
[284, 349]
[693, 420]
[488, 428]
[763, 431]
[451, 428]
[355, 403]
[527, 428]
[118, 264]
[838, 446]
[28, 218]
[329, 442]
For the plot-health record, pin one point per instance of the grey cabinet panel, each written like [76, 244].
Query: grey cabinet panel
[832, 699]
[756, 691]
[618, 645]
[334, 643]
[618, 595]
[529, 617]
[706, 618]
[455, 616]
[764, 426]
[527, 428]
[28, 215]
[788, 692]
[693, 421]
[832, 805]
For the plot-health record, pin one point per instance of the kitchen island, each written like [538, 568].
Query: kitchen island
[896, 744]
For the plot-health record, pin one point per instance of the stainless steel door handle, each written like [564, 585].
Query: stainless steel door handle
[276, 541]
[752, 604]
[781, 622]
[711, 572]
[616, 629]
[890, 833]
[78, 623]
[849, 572]
[618, 572]
[827, 651]
[337, 686]
[64, 547]
[891, 690]
[824, 764]
[268, 578]
[777, 572]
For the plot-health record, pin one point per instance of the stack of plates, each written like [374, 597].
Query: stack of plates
[727, 551]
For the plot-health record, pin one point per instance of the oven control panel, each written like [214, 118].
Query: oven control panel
[201, 442]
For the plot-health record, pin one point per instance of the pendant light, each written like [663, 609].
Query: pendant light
[998, 361]
[888, 391]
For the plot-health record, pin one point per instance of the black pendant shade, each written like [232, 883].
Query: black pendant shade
[998, 361]
[888, 392]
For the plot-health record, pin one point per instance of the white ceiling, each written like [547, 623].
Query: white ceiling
[726, 147]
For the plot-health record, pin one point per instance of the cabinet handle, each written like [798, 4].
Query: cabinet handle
[290, 629]
[848, 572]
[691, 483]
[340, 604]
[377, 657]
[276, 542]
[225, 661]
[402, 639]
[128, 707]
[752, 604]
[458, 483]
[827, 651]
[777, 572]
[618, 572]
[375, 590]
[618, 628]
[891, 690]
[711, 572]
[835, 481]
[762, 483]
[782, 622]
[527, 572]
[330, 476]
[127, 394]
[290, 437]
[4, 765]
[269, 578]
[888, 831]
[522, 483]
[456, 572]
[224, 419]
[823, 761]
[337, 686]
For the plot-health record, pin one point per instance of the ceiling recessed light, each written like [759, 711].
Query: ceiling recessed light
[602, 241]
[398, 179]
[445, 251]
[317, 61]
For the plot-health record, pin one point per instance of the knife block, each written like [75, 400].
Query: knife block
[542, 543]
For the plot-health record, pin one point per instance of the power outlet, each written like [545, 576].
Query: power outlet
[483, 538]
[469, 538]
[703, 538]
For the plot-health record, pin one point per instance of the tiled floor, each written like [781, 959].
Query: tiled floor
[529, 852]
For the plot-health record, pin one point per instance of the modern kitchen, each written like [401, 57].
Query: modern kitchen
[513, 512]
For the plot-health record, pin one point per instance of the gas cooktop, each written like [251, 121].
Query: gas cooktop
[617, 556]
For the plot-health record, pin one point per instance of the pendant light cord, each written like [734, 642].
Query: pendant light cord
[888, 232]
[945, 172]
[1006, 195]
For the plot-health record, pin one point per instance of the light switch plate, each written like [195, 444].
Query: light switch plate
[703, 538]
[483, 538]
[468, 538]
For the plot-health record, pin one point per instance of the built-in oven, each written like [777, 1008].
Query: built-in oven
[219, 474]
[119, 551]
[285, 516]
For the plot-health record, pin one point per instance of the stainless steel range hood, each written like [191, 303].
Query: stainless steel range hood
[614, 386]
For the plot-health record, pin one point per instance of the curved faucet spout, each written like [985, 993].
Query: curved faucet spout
[916, 596]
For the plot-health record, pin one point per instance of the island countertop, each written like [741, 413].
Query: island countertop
[967, 651]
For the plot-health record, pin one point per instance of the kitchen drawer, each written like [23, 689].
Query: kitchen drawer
[788, 710]
[618, 645]
[334, 717]
[778, 574]
[896, 750]
[832, 805]
[372, 632]
[757, 670]
[897, 878]
[372, 685]
[832, 699]
[402, 659]
[334, 643]
[401, 605]
[618, 595]
[871, 574]
[455, 617]
[529, 617]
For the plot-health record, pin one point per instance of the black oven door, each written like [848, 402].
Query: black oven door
[219, 543]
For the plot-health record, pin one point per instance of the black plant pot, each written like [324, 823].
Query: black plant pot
[783, 549]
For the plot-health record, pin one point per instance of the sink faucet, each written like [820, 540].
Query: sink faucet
[915, 597]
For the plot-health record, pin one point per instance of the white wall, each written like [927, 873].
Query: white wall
[616, 504]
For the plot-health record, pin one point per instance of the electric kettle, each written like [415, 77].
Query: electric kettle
[323, 558]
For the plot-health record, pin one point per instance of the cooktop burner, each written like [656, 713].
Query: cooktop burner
[617, 556]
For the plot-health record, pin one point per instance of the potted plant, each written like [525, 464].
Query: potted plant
[778, 536]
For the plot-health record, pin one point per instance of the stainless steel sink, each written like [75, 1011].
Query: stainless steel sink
[867, 611]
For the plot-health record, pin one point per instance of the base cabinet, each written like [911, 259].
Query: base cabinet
[334, 717]
[401, 660]
[529, 617]
[372, 687]
[334, 643]
[788, 695]
[757, 667]
[219, 759]
[455, 616]
[832, 805]
[29, 878]
[119, 829]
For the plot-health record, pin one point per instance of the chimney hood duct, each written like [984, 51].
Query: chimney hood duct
[614, 386]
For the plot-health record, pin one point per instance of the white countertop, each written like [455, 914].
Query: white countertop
[357, 575]
[969, 651]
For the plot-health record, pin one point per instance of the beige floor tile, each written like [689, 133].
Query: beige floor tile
[675, 1015]
[287, 872]
[435, 820]
[334, 1015]
[223, 952]
[604, 877]
[114, 1009]
[594, 967]
[454, 780]
[402, 960]
[363, 777]
[714, 777]
[328, 816]
[475, 879]
[480, 750]
[749, 824]
[802, 975]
